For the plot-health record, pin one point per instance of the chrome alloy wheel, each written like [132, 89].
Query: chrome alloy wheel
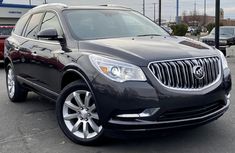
[11, 82]
[80, 115]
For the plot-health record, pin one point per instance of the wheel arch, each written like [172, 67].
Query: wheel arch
[73, 74]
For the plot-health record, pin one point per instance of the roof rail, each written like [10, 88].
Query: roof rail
[51, 4]
[113, 5]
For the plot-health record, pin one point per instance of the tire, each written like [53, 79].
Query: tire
[16, 92]
[77, 115]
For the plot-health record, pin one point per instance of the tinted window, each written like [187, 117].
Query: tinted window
[20, 25]
[32, 28]
[96, 24]
[5, 30]
[51, 21]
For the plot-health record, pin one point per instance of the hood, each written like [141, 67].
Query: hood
[142, 50]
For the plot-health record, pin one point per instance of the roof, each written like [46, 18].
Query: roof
[63, 6]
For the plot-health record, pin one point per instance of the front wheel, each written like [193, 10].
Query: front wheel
[77, 114]
[16, 92]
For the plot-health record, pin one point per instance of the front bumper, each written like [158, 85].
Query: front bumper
[143, 125]
[118, 104]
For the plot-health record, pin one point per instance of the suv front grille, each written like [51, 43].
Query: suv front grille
[181, 73]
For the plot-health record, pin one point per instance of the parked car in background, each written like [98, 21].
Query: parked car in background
[194, 30]
[110, 69]
[226, 38]
[5, 31]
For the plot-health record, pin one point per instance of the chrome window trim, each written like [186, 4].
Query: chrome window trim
[217, 81]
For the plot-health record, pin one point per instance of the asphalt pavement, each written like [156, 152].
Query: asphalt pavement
[31, 127]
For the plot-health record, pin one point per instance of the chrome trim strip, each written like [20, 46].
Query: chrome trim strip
[189, 89]
[145, 113]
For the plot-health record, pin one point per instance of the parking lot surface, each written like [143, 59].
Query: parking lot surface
[31, 127]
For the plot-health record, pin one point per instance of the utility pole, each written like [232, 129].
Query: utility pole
[45, 1]
[195, 8]
[205, 13]
[154, 12]
[177, 12]
[217, 23]
[30, 2]
[143, 7]
[160, 12]
[195, 13]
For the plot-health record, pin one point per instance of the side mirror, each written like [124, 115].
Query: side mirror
[50, 34]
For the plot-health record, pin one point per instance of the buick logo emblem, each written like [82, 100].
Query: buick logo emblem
[198, 72]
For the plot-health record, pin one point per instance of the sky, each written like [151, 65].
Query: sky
[168, 6]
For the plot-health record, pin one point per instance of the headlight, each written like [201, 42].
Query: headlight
[116, 70]
[224, 60]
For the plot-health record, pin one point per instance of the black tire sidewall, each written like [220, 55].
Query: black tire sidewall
[77, 85]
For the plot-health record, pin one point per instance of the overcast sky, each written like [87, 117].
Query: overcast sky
[168, 6]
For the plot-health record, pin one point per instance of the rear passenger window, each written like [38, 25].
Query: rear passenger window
[20, 25]
[51, 21]
[33, 26]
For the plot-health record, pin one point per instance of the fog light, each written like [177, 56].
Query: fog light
[146, 113]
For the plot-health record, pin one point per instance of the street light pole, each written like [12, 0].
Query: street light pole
[143, 7]
[154, 12]
[205, 12]
[160, 12]
[217, 23]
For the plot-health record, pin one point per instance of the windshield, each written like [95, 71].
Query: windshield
[224, 31]
[101, 24]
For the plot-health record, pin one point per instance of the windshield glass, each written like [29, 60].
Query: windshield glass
[224, 31]
[101, 24]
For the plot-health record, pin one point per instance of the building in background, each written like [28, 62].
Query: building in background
[195, 19]
[10, 13]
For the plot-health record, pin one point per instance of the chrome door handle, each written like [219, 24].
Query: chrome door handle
[34, 54]
[17, 49]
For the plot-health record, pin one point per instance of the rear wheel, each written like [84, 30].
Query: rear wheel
[77, 114]
[16, 92]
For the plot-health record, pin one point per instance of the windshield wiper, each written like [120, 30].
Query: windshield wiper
[144, 35]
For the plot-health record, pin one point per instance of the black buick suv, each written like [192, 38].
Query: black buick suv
[112, 69]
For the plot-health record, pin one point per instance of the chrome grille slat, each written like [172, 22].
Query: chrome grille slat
[179, 73]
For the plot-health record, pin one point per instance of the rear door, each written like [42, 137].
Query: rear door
[28, 47]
